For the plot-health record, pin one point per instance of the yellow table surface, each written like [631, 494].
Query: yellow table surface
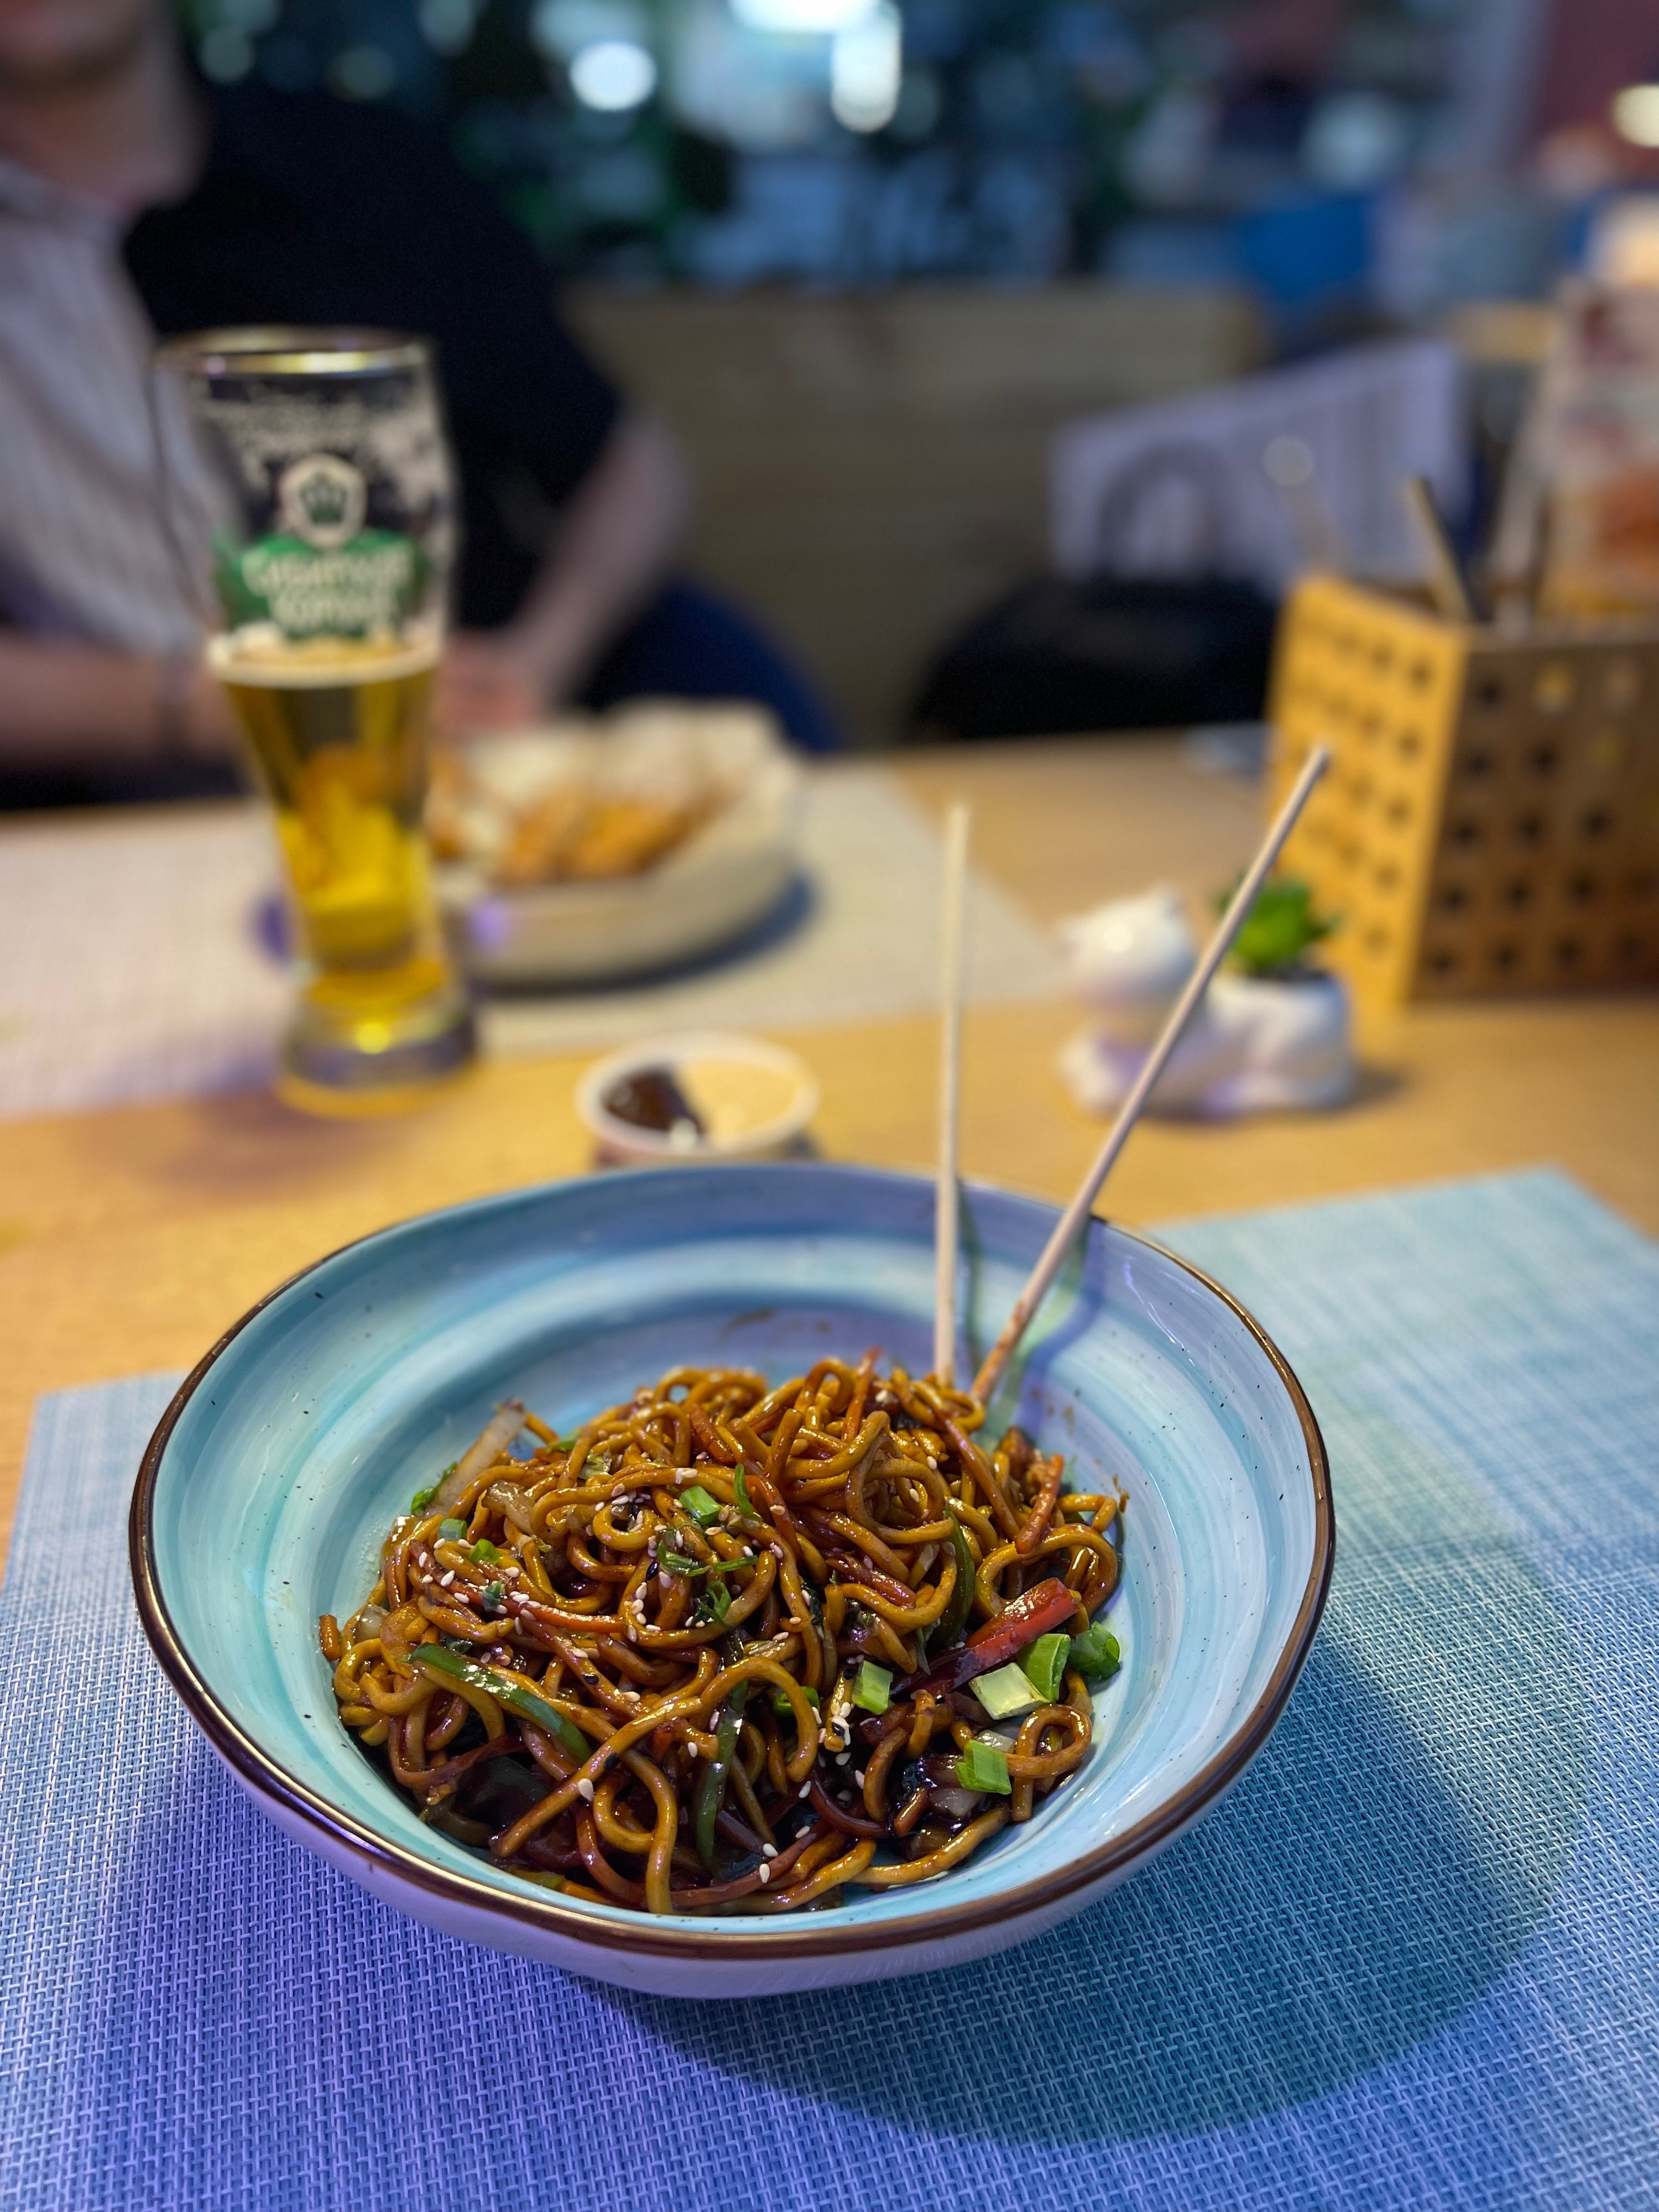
[129, 1239]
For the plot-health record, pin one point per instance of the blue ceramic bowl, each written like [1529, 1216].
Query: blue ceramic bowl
[268, 1486]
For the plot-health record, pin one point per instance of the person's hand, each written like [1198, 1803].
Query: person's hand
[488, 681]
[207, 729]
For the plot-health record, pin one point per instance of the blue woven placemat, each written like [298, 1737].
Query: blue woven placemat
[1413, 1960]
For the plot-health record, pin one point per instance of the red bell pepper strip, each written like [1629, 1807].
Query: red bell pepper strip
[1047, 1606]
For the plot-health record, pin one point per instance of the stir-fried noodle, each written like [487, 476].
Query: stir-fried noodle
[729, 1647]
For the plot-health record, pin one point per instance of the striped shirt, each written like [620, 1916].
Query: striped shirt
[83, 548]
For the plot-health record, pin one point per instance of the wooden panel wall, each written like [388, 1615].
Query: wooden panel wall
[870, 466]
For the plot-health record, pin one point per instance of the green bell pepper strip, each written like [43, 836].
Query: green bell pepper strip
[1095, 1654]
[784, 1709]
[1043, 1664]
[954, 1618]
[565, 1733]
[712, 1788]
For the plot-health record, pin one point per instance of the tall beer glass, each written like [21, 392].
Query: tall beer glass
[320, 533]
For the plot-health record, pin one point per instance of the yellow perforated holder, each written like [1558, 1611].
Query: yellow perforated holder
[1491, 819]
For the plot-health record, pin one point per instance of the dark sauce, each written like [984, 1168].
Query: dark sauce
[650, 1098]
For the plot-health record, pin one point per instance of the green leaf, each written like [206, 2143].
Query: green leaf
[1278, 928]
[740, 1486]
[422, 1498]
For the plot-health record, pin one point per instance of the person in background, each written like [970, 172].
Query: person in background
[135, 203]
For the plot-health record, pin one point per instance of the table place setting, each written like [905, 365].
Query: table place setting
[1408, 1960]
[706, 1627]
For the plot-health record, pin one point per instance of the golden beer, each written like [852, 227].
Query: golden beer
[312, 504]
[338, 728]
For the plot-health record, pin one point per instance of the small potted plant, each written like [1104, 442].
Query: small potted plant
[1272, 1033]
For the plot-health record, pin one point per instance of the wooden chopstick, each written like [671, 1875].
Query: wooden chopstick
[1071, 1221]
[1448, 583]
[952, 910]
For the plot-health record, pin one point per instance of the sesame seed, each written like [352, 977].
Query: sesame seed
[841, 1758]
[444, 1580]
[806, 1789]
[857, 1776]
[585, 1790]
[764, 1870]
[769, 1851]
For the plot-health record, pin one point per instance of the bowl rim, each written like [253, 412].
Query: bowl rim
[668, 1936]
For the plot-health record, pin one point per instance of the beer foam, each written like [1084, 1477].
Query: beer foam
[261, 656]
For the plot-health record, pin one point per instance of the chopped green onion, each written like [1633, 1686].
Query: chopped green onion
[679, 1563]
[985, 1766]
[954, 1618]
[740, 1486]
[872, 1687]
[454, 1529]
[782, 1708]
[716, 1600]
[422, 1498]
[445, 1660]
[1095, 1653]
[492, 1596]
[484, 1553]
[704, 1508]
[1006, 1692]
[1045, 1663]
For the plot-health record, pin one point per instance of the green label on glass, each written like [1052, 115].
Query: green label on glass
[371, 584]
[321, 574]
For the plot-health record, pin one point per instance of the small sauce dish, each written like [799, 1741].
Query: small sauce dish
[676, 1100]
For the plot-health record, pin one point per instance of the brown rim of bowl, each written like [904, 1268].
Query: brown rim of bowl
[654, 1936]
